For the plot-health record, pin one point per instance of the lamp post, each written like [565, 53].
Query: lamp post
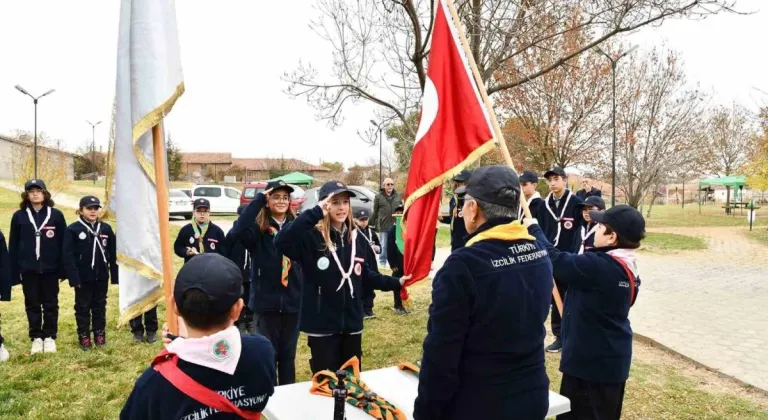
[613, 117]
[378, 129]
[93, 148]
[34, 100]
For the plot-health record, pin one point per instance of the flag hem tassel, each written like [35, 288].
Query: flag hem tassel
[153, 300]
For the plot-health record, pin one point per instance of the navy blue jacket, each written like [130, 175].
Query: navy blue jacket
[154, 398]
[370, 259]
[78, 253]
[588, 243]
[394, 256]
[597, 337]
[21, 245]
[324, 309]
[537, 207]
[458, 230]
[485, 335]
[239, 255]
[214, 241]
[5, 271]
[571, 220]
[593, 192]
[267, 291]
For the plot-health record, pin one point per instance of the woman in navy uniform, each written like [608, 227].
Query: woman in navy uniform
[276, 289]
[332, 256]
[37, 236]
[201, 236]
[90, 258]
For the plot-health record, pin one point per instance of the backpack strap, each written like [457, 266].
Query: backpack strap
[631, 276]
[167, 365]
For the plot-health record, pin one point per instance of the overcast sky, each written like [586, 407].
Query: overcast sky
[234, 53]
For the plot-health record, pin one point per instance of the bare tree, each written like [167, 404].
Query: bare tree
[732, 136]
[380, 48]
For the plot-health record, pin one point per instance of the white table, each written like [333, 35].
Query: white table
[294, 402]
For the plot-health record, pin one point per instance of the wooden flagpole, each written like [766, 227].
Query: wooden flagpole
[161, 188]
[497, 130]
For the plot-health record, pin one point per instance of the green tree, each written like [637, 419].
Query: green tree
[333, 166]
[174, 158]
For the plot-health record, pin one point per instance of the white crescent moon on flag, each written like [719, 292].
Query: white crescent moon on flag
[429, 106]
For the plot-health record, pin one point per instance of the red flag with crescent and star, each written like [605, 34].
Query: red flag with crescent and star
[454, 131]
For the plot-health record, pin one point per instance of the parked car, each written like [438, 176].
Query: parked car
[250, 191]
[363, 200]
[179, 204]
[223, 199]
[187, 191]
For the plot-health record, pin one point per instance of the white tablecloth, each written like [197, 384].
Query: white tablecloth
[294, 402]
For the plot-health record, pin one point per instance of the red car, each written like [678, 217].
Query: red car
[250, 191]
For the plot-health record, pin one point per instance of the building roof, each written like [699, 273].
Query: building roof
[206, 158]
[265, 164]
[29, 144]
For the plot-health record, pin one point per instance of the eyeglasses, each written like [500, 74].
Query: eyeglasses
[280, 199]
[389, 184]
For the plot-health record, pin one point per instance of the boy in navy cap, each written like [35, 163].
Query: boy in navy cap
[603, 284]
[559, 219]
[456, 216]
[214, 370]
[586, 237]
[529, 181]
[361, 223]
[201, 236]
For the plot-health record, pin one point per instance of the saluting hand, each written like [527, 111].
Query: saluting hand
[326, 204]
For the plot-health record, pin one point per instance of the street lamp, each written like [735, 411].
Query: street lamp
[378, 128]
[22, 90]
[93, 149]
[613, 151]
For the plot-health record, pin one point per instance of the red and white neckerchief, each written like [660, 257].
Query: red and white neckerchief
[520, 213]
[346, 276]
[368, 239]
[558, 219]
[38, 229]
[585, 235]
[96, 243]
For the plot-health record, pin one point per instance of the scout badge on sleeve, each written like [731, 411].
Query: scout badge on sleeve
[357, 392]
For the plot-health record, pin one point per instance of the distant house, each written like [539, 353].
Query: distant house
[215, 165]
[205, 165]
[13, 149]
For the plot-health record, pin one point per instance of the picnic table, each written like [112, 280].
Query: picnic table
[739, 205]
[398, 387]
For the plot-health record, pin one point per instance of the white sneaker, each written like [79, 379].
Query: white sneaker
[37, 346]
[49, 345]
[4, 356]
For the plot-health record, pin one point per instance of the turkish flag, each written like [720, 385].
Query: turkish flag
[454, 131]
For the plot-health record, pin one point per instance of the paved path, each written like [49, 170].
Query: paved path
[709, 305]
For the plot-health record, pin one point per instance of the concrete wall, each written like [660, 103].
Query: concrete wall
[9, 151]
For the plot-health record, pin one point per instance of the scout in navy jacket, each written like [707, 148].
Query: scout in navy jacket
[5, 272]
[90, 253]
[529, 181]
[23, 247]
[560, 220]
[201, 236]
[239, 255]
[587, 228]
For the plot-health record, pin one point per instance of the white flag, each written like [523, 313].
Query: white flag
[149, 81]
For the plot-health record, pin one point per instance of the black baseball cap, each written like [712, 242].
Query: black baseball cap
[626, 221]
[90, 201]
[334, 187]
[497, 184]
[361, 214]
[593, 201]
[34, 183]
[462, 176]
[555, 170]
[213, 274]
[202, 202]
[279, 185]
[400, 207]
[529, 176]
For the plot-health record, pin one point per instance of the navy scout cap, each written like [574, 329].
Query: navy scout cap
[334, 187]
[279, 185]
[213, 274]
[361, 214]
[463, 176]
[626, 221]
[202, 202]
[593, 201]
[34, 183]
[90, 201]
[529, 176]
[497, 184]
[556, 170]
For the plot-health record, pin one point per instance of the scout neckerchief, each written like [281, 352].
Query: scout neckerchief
[199, 234]
[558, 219]
[585, 235]
[286, 261]
[346, 276]
[520, 213]
[414, 367]
[368, 239]
[627, 258]
[358, 393]
[38, 229]
[96, 242]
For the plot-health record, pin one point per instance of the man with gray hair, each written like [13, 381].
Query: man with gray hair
[484, 350]
[384, 206]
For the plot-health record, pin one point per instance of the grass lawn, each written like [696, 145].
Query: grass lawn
[657, 241]
[759, 234]
[711, 215]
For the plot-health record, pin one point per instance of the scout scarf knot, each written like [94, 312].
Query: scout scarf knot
[507, 232]
[346, 275]
[286, 261]
[358, 393]
[38, 229]
[96, 243]
[219, 351]
[558, 219]
[200, 232]
[585, 235]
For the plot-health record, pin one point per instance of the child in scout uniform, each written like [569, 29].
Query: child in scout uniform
[90, 259]
[201, 236]
[529, 181]
[361, 224]
[332, 257]
[239, 255]
[560, 220]
[276, 289]
[5, 289]
[213, 372]
[603, 284]
[37, 236]
[456, 218]
[586, 238]
[148, 326]
[395, 258]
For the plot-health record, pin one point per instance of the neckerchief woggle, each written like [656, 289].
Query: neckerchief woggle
[558, 219]
[96, 243]
[348, 274]
[199, 234]
[585, 235]
[38, 229]
[286, 263]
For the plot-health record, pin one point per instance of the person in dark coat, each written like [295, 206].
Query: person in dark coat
[37, 237]
[456, 216]
[277, 278]
[383, 208]
[484, 349]
[395, 259]
[588, 190]
[560, 219]
[5, 289]
[586, 237]
[361, 224]
[529, 181]
[332, 257]
[201, 236]
[603, 283]
[239, 255]
[90, 258]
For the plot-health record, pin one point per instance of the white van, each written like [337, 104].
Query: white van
[223, 199]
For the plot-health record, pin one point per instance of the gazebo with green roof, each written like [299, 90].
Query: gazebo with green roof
[726, 181]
